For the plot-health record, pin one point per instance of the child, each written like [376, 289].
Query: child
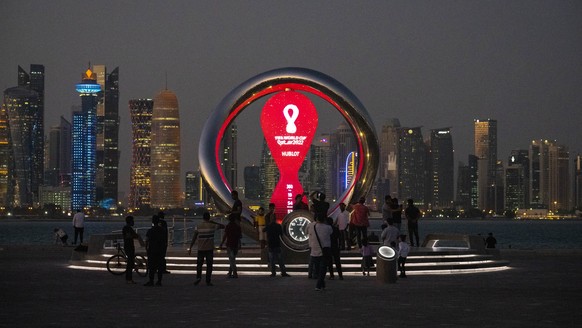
[367, 253]
[61, 235]
[403, 250]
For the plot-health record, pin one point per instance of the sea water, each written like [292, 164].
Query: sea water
[516, 234]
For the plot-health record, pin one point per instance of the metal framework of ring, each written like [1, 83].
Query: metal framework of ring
[298, 79]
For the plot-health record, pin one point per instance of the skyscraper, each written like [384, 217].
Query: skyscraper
[321, 157]
[486, 151]
[165, 152]
[268, 174]
[578, 182]
[253, 187]
[84, 142]
[549, 175]
[441, 168]
[24, 148]
[517, 180]
[229, 155]
[412, 165]
[388, 168]
[141, 111]
[343, 148]
[107, 155]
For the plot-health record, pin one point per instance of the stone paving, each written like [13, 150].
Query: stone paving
[542, 289]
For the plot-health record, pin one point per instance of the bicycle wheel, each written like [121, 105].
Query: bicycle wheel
[117, 264]
[141, 266]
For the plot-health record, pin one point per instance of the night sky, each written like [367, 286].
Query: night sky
[429, 63]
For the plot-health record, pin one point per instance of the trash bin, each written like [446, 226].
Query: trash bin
[386, 265]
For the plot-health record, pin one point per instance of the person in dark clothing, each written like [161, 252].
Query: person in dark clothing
[490, 242]
[232, 236]
[236, 210]
[335, 251]
[274, 233]
[396, 213]
[412, 214]
[128, 236]
[155, 250]
[320, 206]
[164, 226]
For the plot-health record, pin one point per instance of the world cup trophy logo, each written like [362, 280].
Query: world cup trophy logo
[289, 121]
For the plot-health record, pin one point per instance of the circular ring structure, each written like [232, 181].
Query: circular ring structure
[298, 79]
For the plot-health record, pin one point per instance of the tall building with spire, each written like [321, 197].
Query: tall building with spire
[485, 132]
[165, 152]
[140, 111]
[84, 141]
[107, 155]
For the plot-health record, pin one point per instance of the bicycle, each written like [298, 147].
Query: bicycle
[117, 263]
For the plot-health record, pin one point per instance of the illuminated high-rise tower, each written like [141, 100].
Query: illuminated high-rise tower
[165, 152]
[107, 136]
[486, 151]
[549, 175]
[388, 168]
[412, 165]
[320, 174]
[344, 156]
[19, 176]
[441, 168]
[229, 155]
[141, 127]
[578, 182]
[83, 194]
[268, 173]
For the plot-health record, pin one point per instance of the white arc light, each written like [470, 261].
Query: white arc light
[291, 127]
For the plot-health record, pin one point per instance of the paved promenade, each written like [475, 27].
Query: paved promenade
[543, 289]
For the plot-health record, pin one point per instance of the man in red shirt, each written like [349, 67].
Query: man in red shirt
[360, 220]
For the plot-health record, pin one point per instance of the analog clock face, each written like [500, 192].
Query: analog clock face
[297, 229]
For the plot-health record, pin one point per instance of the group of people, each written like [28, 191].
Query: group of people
[62, 237]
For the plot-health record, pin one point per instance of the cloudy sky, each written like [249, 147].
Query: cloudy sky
[429, 63]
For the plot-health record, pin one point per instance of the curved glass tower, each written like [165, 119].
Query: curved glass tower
[165, 152]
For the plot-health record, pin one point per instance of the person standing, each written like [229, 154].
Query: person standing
[342, 223]
[412, 214]
[367, 257]
[490, 242]
[299, 203]
[79, 226]
[320, 206]
[155, 250]
[387, 209]
[403, 250]
[396, 213]
[319, 238]
[232, 236]
[129, 235]
[164, 226]
[260, 224]
[389, 236]
[274, 233]
[335, 251]
[236, 210]
[204, 233]
[360, 220]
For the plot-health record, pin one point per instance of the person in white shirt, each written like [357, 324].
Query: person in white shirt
[319, 238]
[342, 222]
[390, 235]
[403, 250]
[79, 225]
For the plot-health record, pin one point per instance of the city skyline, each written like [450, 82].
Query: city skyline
[428, 64]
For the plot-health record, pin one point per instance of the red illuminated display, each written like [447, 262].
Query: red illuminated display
[289, 121]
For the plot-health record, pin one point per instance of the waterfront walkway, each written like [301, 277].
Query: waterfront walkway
[37, 289]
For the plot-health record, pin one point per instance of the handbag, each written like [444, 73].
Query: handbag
[326, 251]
